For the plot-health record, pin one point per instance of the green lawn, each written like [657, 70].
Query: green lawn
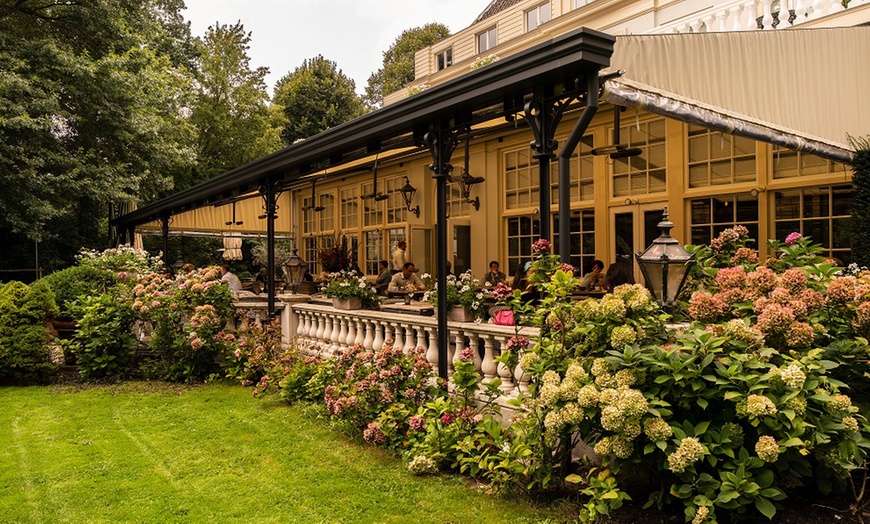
[153, 453]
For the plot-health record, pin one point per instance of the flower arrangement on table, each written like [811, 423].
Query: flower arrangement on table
[464, 291]
[349, 284]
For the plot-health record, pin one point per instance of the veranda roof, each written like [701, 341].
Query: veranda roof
[804, 89]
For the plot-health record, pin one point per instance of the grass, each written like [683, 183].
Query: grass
[146, 452]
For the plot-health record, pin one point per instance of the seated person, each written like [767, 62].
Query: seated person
[594, 277]
[618, 273]
[231, 280]
[406, 280]
[530, 295]
[494, 276]
[449, 269]
[384, 277]
[261, 283]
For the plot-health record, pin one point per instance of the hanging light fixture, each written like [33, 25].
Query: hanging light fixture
[617, 150]
[408, 192]
[378, 197]
[466, 181]
[665, 265]
[234, 222]
[312, 207]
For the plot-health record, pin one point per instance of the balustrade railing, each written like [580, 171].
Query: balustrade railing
[322, 329]
[752, 15]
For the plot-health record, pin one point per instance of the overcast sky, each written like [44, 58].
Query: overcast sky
[352, 33]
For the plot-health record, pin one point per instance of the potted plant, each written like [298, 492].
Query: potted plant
[349, 290]
[337, 258]
[465, 298]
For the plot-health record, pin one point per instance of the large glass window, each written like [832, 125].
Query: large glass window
[374, 241]
[308, 216]
[711, 216]
[537, 16]
[486, 40]
[522, 233]
[373, 210]
[717, 158]
[349, 208]
[327, 214]
[311, 254]
[521, 180]
[818, 212]
[444, 59]
[645, 173]
[456, 205]
[790, 164]
[582, 183]
[397, 211]
[582, 238]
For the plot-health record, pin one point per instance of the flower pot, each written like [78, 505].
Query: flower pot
[459, 314]
[347, 303]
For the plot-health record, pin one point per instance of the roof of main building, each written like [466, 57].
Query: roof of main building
[494, 7]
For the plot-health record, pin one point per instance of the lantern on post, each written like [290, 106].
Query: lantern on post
[295, 268]
[408, 192]
[665, 265]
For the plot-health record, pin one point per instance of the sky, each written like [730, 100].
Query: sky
[352, 33]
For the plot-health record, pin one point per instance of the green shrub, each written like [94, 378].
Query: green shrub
[24, 338]
[104, 343]
[76, 282]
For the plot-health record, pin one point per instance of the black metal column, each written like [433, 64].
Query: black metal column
[164, 227]
[270, 194]
[565, 165]
[441, 144]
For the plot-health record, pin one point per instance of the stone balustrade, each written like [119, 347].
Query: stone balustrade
[751, 15]
[321, 330]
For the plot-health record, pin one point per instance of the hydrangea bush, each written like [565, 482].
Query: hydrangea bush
[124, 258]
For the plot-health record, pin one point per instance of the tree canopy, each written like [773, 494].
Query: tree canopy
[315, 97]
[398, 65]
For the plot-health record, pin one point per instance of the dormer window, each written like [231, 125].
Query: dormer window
[486, 40]
[581, 3]
[537, 16]
[444, 59]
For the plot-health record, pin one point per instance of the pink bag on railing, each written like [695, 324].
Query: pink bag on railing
[505, 317]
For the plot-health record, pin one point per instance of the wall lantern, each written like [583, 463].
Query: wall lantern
[665, 264]
[408, 192]
[295, 268]
[466, 181]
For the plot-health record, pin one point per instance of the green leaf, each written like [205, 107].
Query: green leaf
[732, 395]
[766, 507]
[574, 478]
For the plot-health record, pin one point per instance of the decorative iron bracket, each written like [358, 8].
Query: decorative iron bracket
[543, 116]
[270, 191]
[442, 143]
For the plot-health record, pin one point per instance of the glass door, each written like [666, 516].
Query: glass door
[633, 229]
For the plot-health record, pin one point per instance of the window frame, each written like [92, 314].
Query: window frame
[444, 59]
[536, 11]
[491, 35]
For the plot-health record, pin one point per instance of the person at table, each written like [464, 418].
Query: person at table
[261, 282]
[399, 256]
[449, 269]
[530, 295]
[494, 277]
[407, 280]
[384, 277]
[594, 277]
[618, 273]
[231, 280]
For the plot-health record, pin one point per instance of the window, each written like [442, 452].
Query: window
[717, 158]
[311, 254]
[522, 233]
[486, 40]
[456, 205]
[521, 180]
[444, 59]
[819, 212]
[582, 238]
[397, 211]
[645, 173]
[373, 210]
[308, 222]
[711, 216]
[395, 235]
[537, 16]
[374, 241]
[582, 184]
[581, 3]
[349, 208]
[790, 164]
[327, 214]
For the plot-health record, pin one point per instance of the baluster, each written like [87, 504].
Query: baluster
[767, 15]
[818, 9]
[721, 21]
[367, 341]
[783, 15]
[351, 332]
[735, 17]
[683, 28]
[489, 366]
[327, 328]
[451, 355]
[321, 326]
[300, 326]
[409, 339]
[749, 15]
[696, 25]
[474, 344]
[800, 11]
[312, 327]
[421, 341]
[335, 338]
[360, 333]
[398, 339]
[522, 378]
[432, 348]
[342, 333]
[506, 374]
[836, 7]
[458, 344]
[378, 342]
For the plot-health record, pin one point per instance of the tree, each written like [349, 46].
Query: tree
[91, 112]
[315, 97]
[398, 67]
[861, 201]
[232, 115]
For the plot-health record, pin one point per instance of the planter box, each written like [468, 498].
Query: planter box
[347, 303]
[459, 314]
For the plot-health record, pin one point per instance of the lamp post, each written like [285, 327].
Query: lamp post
[665, 265]
[295, 269]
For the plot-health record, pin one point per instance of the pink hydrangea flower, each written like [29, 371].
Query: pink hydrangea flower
[541, 246]
[417, 423]
[518, 342]
[793, 237]
[447, 418]
[466, 355]
[705, 307]
[502, 292]
[731, 277]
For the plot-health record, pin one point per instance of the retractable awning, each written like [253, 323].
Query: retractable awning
[803, 88]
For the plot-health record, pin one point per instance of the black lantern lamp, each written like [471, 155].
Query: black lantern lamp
[665, 264]
[466, 181]
[296, 268]
[408, 192]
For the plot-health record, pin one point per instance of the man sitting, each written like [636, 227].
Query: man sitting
[407, 280]
[231, 280]
[495, 277]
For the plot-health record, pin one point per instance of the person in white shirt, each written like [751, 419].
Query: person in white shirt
[231, 280]
[399, 257]
[407, 280]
